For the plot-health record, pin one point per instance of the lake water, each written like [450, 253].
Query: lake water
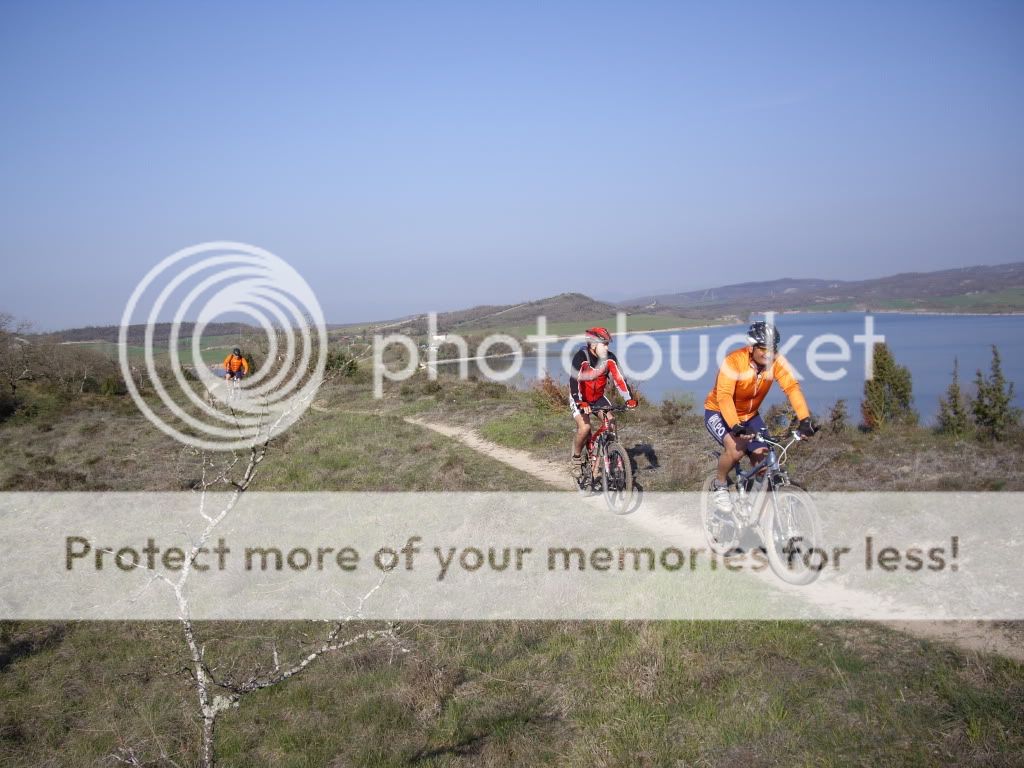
[926, 344]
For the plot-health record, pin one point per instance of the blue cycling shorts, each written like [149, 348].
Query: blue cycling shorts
[717, 428]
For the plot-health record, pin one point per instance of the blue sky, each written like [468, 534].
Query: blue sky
[414, 156]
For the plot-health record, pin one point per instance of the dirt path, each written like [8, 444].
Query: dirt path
[1003, 638]
[547, 472]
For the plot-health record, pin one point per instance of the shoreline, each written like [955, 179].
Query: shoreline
[678, 329]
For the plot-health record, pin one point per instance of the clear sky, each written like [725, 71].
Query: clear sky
[409, 156]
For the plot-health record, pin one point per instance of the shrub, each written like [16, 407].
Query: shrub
[548, 393]
[673, 409]
[340, 363]
[888, 394]
[779, 417]
[491, 389]
[837, 417]
[113, 386]
[993, 412]
[8, 405]
[953, 416]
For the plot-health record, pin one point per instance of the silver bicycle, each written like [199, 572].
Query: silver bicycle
[765, 501]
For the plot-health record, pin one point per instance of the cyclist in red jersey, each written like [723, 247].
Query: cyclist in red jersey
[592, 366]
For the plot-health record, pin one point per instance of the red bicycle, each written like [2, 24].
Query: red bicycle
[605, 464]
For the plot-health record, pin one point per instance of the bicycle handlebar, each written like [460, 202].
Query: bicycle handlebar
[595, 408]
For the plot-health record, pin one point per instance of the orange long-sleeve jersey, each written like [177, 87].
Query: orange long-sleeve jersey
[232, 363]
[741, 387]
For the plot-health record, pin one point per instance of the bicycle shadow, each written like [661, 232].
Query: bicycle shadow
[647, 452]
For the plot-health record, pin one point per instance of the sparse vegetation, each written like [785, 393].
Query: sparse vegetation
[492, 693]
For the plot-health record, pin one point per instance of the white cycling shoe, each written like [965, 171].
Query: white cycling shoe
[721, 498]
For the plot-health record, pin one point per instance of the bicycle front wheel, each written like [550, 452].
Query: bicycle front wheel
[617, 479]
[792, 535]
[721, 532]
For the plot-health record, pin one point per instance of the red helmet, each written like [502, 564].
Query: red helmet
[595, 335]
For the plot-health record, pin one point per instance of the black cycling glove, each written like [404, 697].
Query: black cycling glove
[806, 427]
[739, 431]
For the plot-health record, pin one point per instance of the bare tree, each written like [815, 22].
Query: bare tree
[216, 694]
[16, 352]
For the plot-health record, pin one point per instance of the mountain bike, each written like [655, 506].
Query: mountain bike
[605, 464]
[768, 503]
[229, 395]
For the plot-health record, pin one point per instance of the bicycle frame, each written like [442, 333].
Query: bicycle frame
[771, 467]
[600, 437]
[607, 426]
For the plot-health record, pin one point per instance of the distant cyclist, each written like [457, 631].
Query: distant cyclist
[235, 366]
[592, 366]
[731, 408]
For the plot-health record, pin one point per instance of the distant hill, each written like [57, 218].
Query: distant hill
[968, 289]
[565, 307]
[137, 333]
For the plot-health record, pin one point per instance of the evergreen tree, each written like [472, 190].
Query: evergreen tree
[953, 416]
[888, 394]
[993, 412]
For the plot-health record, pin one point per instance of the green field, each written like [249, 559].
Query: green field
[214, 350]
[1010, 300]
[639, 322]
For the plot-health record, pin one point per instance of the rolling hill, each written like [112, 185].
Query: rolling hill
[968, 289]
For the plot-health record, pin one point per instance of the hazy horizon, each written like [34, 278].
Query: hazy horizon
[407, 158]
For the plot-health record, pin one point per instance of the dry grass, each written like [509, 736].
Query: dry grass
[499, 693]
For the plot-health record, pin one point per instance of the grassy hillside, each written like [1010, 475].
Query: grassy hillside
[493, 693]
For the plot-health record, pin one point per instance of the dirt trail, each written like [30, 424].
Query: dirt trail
[548, 472]
[1003, 638]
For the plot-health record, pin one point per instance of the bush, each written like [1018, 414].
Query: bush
[8, 405]
[993, 412]
[779, 417]
[548, 393]
[340, 363]
[888, 394]
[837, 417]
[674, 409]
[492, 390]
[114, 387]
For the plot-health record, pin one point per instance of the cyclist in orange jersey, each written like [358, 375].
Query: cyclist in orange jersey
[731, 408]
[235, 366]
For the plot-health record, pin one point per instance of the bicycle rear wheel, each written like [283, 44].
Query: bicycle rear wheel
[792, 535]
[617, 479]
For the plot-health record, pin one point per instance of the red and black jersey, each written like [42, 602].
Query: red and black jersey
[590, 375]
